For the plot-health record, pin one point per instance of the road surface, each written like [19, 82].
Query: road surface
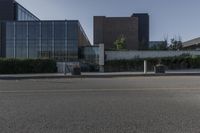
[107, 105]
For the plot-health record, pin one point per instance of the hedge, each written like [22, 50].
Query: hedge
[23, 66]
[172, 63]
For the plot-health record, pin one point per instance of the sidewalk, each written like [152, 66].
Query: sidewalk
[193, 72]
[61, 75]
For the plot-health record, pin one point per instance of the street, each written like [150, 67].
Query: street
[168, 104]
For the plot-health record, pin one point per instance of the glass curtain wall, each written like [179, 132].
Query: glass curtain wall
[22, 14]
[34, 42]
[21, 43]
[60, 38]
[10, 39]
[42, 39]
[47, 39]
[90, 55]
[72, 40]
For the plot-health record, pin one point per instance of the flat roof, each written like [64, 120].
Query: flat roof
[192, 42]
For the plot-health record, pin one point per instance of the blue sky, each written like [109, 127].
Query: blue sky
[168, 18]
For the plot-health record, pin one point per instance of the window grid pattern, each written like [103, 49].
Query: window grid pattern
[24, 15]
[90, 54]
[42, 39]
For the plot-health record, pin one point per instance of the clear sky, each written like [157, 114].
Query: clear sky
[168, 18]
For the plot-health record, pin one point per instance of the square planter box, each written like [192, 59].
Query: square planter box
[76, 71]
[160, 69]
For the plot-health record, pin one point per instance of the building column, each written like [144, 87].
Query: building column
[145, 67]
[101, 57]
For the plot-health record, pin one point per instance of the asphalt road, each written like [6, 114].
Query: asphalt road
[115, 105]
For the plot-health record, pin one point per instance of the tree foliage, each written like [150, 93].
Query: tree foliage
[120, 43]
[175, 44]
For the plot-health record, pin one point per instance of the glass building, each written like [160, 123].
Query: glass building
[89, 54]
[57, 40]
[10, 10]
[24, 36]
[22, 14]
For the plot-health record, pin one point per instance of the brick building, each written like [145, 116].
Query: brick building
[135, 29]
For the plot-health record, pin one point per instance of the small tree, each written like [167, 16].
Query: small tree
[120, 43]
[175, 44]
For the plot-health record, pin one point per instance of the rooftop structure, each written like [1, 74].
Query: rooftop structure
[192, 44]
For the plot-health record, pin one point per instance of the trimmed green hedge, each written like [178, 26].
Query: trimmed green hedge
[172, 63]
[23, 66]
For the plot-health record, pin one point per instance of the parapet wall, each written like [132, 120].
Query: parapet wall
[128, 55]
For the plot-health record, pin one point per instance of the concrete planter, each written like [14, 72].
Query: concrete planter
[76, 71]
[159, 69]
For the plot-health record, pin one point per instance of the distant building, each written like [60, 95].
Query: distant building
[155, 43]
[193, 44]
[135, 29]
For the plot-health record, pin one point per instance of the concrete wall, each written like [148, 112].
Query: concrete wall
[128, 55]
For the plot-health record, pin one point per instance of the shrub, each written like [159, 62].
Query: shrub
[173, 63]
[22, 66]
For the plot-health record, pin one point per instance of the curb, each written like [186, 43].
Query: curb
[96, 76]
